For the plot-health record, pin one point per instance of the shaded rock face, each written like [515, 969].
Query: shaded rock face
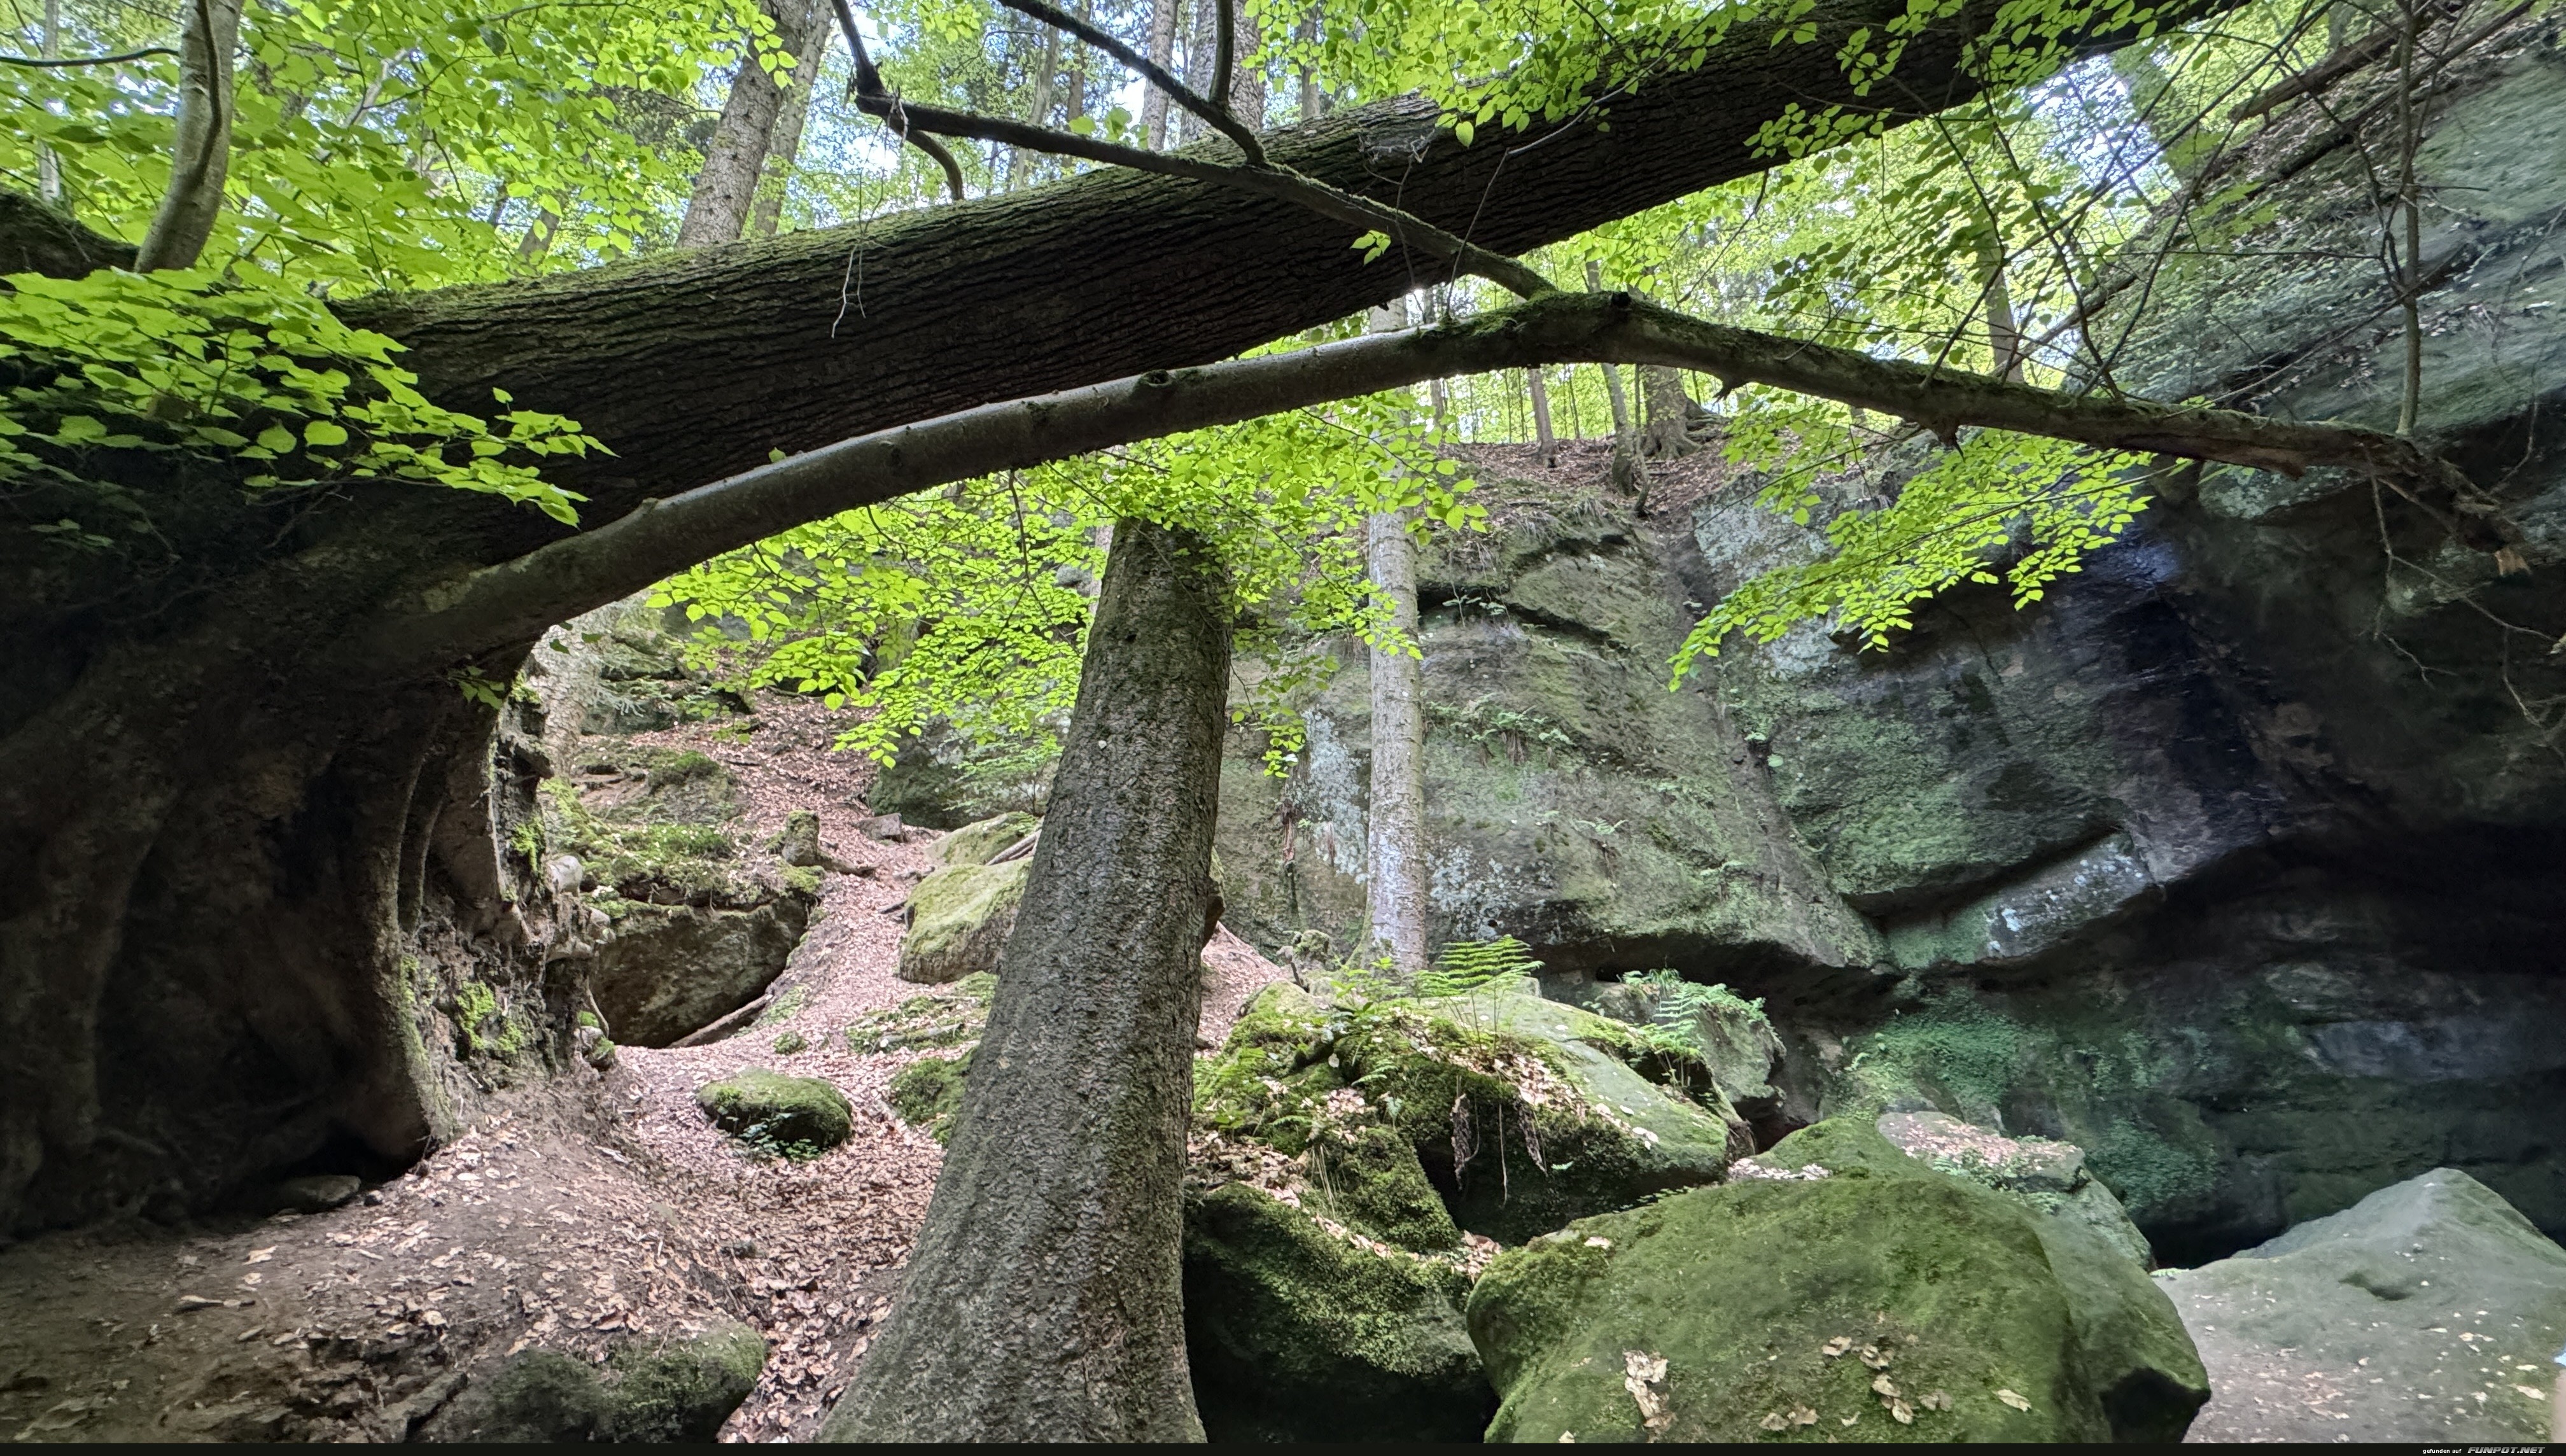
[2236, 861]
[2427, 1312]
[1882, 1302]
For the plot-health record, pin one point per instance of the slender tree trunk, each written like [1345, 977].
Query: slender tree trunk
[1627, 474]
[1043, 1302]
[726, 187]
[1541, 418]
[1046, 79]
[202, 155]
[1313, 100]
[2004, 330]
[1163, 51]
[1201, 47]
[1247, 75]
[1394, 809]
[49, 167]
[786, 146]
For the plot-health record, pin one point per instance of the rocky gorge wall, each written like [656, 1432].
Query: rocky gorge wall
[2237, 862]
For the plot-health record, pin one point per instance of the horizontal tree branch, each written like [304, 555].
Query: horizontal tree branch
[1263, 181]
[511, 604]
[695, 366]
[49, 63]
[1219, 116]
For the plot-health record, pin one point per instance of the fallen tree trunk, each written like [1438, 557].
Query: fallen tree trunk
[1043, 1302]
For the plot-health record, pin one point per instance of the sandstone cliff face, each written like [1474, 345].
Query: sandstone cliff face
[2236, 862]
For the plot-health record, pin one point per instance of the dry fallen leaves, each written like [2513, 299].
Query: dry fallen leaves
[2017, 1401]
[1902, 1413]
[1876, 1358]
[1836, 1346]
[1645, 1375]
[1938, 1400]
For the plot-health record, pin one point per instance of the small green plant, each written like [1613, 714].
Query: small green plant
[790, 1043]
[1466, 966]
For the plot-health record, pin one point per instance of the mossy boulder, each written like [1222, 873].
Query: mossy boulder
[977, 843]
[959, 920]
[790, 1115]
[1296, 1333]
[672, 1389]
[667, 971]
[1883, 1300]
[1521, 1112]
[927, 1092]
[684, 1390]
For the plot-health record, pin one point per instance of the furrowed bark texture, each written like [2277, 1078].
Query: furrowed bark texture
[1043, 1302]
[675, 362]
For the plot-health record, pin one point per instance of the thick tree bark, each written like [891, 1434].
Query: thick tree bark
[1043, 1302]
[673, 361]
[202, 155]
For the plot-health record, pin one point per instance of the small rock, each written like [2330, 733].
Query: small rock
[884, 827]
[565, 873]
[797, 1115]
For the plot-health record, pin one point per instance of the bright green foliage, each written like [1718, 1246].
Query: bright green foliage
[186, 363]
[970, 605]
[1465, 966]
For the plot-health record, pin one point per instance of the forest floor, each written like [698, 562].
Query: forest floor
[580, 1213]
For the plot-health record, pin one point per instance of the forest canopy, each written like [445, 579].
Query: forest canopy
[333, 153]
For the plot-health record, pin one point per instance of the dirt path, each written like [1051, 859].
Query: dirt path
[584, 1212]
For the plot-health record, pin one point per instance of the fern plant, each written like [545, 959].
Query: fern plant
[1474, 965]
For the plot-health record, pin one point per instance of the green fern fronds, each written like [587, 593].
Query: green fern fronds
[1471, 965]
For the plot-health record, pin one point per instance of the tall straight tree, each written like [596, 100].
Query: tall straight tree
[1395, 809]
[726, 187]
[785, 147]
[1043, 1302]
[1162, 53]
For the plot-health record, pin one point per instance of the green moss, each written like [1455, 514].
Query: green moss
[927, 1093]
[669, 844]
[488, 1028]
[923, 1021]
[959, 920]
[973, 844]
[789, 1043]
[792, 1117]
[1294, 1334]
[684, 1390]
[1739, 1290]
[802, 879]
[785, 1007]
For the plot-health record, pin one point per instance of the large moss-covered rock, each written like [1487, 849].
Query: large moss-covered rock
[1297, 1332]
[977, 843]
[959, 919]
[1882, 1302]
[1521, 1112]
[2445, 1299]
[678, 1388]
[665, 971]
[792, 1114]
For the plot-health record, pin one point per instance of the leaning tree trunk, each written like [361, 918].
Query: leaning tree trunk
[1043, 1302]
